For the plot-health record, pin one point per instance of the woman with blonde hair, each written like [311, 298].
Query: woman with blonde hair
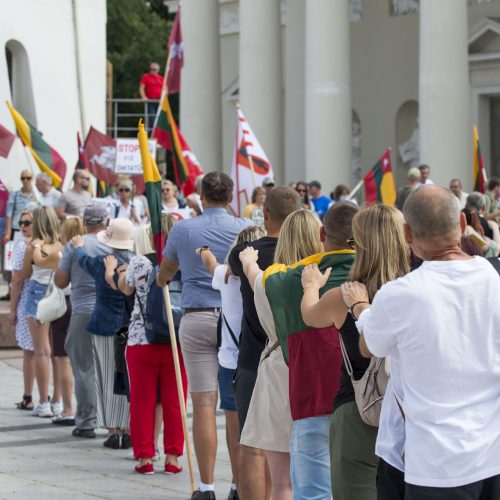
[40, 260]
[382, 255]
[17, 316]
[268, 423]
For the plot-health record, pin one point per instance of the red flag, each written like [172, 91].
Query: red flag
[99, 154]
[193, 165]
[6, 141]
[81, 154]
[4, 198]
[379, 182]
[175, 56]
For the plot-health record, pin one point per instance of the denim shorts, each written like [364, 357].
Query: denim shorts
[36, 292]
[226, 389]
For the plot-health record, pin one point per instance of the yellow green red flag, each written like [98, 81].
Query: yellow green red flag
[46, 157]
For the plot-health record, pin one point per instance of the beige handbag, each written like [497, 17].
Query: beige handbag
[53, 305]
[369, 390]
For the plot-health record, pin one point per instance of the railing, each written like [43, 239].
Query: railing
[124, 114]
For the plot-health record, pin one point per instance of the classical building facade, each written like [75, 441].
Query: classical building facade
[328, 85]
[53, 70]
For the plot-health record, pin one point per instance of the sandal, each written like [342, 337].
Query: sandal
[26, 403]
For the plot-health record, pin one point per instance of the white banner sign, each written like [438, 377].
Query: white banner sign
[128, 156]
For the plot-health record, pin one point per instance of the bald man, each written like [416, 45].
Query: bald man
[439, 326]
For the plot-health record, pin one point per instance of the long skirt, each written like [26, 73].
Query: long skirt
[112, 409]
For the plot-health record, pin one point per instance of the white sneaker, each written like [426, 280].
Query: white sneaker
[42, 410]
[57, 408]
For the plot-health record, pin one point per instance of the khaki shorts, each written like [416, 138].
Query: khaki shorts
[198, 338]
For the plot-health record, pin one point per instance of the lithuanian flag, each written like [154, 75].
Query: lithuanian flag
[379, 182]
[167, 134]
[47, 158]
[311, 354]
[479, 172]
[152, 183]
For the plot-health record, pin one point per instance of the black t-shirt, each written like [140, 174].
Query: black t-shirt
[253, 337]
[486, 227]
[350, 336]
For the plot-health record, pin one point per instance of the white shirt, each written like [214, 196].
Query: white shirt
[50, 199]
[443, 320]
[232, 308]
[125, 212]
[391, 430]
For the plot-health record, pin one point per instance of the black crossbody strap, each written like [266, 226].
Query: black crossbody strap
[233, 336]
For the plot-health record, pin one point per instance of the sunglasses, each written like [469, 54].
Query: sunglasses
[124, 190]
[25, 223]
[301, 190]
[26, 178]
[351, 243]
[165, 190]
[83, 177]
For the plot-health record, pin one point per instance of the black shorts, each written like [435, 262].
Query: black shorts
[59, 330]
[390, 482]
[243, 384]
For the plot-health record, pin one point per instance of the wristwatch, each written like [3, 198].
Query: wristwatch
[205, 247]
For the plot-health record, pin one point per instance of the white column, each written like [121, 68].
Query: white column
[200, 82]
[261, 81]
[328, 93]
[295, 106]
[444, 107]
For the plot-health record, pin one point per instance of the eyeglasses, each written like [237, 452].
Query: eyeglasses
[124, 190]
[166, 190]
[84, 177]
[301, 190]
[351, 243]
[26, 178]
[25, 223]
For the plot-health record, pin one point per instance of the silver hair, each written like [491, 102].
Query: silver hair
[476, 201]
[432, 212]
[45, 177]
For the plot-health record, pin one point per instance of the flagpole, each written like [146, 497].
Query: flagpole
[356, 189]
[180, 388]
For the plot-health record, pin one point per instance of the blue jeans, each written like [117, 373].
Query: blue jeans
[310, 459]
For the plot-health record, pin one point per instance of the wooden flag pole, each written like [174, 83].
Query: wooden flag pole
[356, 189]
[180, 388]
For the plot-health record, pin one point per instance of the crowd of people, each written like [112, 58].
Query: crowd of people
[353, 350]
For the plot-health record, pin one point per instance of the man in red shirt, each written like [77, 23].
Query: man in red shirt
[150, 88]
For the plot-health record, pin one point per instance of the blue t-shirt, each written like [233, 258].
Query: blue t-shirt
[321, 205]
[214, 228]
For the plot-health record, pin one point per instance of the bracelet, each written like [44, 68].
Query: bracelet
[351, 308]
[121, 271]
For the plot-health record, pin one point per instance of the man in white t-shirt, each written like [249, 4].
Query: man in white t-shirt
[441, 323]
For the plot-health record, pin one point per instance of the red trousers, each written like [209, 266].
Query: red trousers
[151, 367]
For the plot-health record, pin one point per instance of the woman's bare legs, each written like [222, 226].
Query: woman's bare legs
[28, 371]
[40, 336]
[65, 382]
[279, 466]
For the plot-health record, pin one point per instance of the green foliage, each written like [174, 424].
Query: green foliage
[137, 33]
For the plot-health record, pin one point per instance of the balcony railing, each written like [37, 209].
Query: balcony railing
[123, 116]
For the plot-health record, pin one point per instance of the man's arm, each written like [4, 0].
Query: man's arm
[61, 208]
[167, 271]
[142, 91]
[62, 278]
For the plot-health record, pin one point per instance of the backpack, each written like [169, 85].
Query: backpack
[369, 390]
[154, 312]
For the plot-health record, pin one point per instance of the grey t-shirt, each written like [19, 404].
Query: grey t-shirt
[74, 202]
[82, 285]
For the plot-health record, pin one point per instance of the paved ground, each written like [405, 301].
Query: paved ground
[39, 460]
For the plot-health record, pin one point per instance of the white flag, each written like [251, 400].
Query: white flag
[250, 165]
